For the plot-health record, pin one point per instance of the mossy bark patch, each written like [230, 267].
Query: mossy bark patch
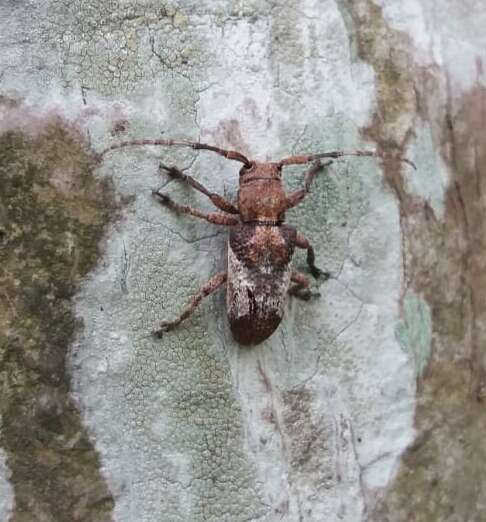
[441, 474]
[53, 212]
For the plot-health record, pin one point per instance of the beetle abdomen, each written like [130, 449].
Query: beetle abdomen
[259, 270]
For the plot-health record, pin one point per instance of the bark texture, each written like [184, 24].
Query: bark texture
[367, 403]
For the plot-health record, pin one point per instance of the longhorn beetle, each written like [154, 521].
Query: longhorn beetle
[260, 248]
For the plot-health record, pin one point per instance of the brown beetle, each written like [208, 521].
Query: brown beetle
[260, 248]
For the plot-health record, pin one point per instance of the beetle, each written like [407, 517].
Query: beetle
[260, 247]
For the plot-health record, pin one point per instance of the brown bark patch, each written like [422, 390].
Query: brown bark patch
[441, 475]
[53, 213]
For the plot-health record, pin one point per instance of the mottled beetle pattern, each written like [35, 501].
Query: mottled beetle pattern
[259, 272]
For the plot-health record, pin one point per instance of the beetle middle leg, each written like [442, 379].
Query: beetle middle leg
[211, 286]
[302, 242]
[218, 201]
[213, 217]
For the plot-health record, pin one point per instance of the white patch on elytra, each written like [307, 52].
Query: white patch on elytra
[241, 281]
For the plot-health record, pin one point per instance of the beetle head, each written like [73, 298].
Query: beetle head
[260, 171]
[261, 197]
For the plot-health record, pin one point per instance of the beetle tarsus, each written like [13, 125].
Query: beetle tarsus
[319, 274]
[163, 198]
[164, 327]
[306, 295]
[172, 172]
[316, 272]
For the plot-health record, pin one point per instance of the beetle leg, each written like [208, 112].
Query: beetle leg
[294, 198]
[211, 286]
[218, 201]
[213, 217]
[301, 287]
[302, 242]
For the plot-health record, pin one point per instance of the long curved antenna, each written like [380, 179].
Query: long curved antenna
[229, 154]
[299, 160]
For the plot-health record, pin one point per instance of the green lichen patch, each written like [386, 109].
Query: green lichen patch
[53, 213]
[414, 332]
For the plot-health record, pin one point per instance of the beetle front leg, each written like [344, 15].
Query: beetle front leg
[302, 242]
[211, 286]
[218, 201]
[294, 198]
[213, 217]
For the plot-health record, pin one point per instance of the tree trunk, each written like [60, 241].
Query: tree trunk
[367, 403]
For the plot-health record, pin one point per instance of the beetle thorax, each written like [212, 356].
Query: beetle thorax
[261, 197]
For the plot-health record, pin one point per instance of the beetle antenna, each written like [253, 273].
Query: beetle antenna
[306, 158]
[228, 154]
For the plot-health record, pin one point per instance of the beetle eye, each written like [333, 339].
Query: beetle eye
[246, 169]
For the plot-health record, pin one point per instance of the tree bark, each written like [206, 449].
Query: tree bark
[367, 404]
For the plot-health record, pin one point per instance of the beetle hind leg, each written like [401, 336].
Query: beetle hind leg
[316, 272]
[301, 288]
[211, 286]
